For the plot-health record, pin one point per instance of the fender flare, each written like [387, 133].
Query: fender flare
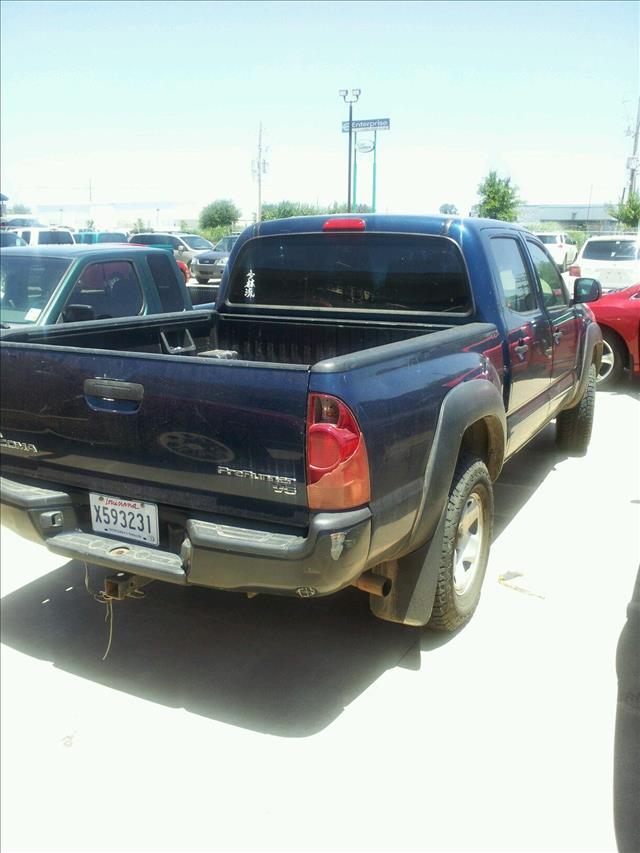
[591, 354]
[465, 405]
[415, 575]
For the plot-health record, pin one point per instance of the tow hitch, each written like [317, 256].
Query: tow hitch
[116, 588]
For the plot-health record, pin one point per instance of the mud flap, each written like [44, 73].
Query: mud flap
[414, 580]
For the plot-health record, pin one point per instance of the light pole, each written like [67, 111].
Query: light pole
[350, 98]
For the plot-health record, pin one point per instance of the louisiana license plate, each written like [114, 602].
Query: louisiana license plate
[135, 520]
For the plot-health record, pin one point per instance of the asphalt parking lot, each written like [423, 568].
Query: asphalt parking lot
[225, 723]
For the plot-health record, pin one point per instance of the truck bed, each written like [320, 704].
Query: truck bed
[276, 340]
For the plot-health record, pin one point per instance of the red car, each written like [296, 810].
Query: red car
[618, 314]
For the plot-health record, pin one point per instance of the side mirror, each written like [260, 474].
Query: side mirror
[586, 290]
[77, 313]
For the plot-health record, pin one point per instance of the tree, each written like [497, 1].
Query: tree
[90, 225]
[449, 209]
[19, 208]
[498, 198]
[220, 212]
[138, 227]
[286, 209]
[627, 212]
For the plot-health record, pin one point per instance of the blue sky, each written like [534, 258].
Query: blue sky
[161, 101]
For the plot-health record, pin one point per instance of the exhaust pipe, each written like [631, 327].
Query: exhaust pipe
[373, 584]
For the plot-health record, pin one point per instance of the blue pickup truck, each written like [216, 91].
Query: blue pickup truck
[337, 418]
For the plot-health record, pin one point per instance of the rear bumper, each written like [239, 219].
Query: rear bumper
[331, 555]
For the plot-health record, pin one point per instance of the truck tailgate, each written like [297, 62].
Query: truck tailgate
[194, 433]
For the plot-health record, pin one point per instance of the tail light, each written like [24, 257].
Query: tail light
[337, 464]
[575, 270]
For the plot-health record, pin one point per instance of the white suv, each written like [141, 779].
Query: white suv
[44, 236]
[614, 259]
[561, 247]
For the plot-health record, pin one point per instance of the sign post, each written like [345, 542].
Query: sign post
[374, 124]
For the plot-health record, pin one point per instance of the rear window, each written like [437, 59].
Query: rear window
[165, 280]
[54, 238]
[373, 272]
[26, 285]
[547, 239]
[610, 250]
[144, 239]
[112, 237]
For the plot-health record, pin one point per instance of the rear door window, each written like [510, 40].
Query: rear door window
[517, 292]
[372, 272]
[110, 288]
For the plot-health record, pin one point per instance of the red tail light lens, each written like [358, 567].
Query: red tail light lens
[344, 225]
[337, 464]
[574, 270]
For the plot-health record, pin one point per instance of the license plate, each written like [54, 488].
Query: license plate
[135, 520]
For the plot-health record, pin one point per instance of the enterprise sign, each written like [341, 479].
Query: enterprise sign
[367, 124]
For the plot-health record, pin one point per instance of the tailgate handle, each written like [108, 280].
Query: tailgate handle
[113, 389]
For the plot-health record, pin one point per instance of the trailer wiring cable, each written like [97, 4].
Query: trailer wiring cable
[104, 598]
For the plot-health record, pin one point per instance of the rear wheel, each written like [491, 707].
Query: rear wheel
[573, 426]
[465, 545]
[613, 357]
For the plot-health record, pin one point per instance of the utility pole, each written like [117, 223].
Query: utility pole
[90, 193]
[259, 168]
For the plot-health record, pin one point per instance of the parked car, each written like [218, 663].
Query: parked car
[63, 284]
[185, 246]
[209, 267]
[338, 420]
[51, 236]
[21, 221]
[614, 259]
[9, 238]
[618, 315]
[91, 237]
[562, 248]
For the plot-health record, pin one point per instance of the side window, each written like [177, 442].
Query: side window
[517, 291]
[111, 289]
[165, 280]
[175, 243]
[554, 292]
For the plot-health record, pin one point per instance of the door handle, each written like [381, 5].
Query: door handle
[521, 350]
[113, 389]
[557, 335]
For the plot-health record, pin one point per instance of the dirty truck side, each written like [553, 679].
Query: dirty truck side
[337, 419]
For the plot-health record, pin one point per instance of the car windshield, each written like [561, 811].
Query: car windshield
[48, 238]
[195, 242]
[546, 238]
[84, 237]
[384, 272]
[26, 285]
[610, 250]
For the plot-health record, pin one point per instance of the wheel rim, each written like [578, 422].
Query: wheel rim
[469, 544]
[608, 360]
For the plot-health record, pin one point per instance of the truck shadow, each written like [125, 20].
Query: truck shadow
[275, 665]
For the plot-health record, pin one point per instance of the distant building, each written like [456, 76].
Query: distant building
[569, 217]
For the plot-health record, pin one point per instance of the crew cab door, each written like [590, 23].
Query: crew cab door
[528, 338]
[565, 322]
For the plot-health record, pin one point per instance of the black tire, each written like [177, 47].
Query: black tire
[202, 280]
[573, 426]
[611, 370]
[454, 602]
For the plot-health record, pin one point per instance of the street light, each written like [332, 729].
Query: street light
[349, 98]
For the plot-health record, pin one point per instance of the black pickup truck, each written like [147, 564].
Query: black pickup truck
[337, 419]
